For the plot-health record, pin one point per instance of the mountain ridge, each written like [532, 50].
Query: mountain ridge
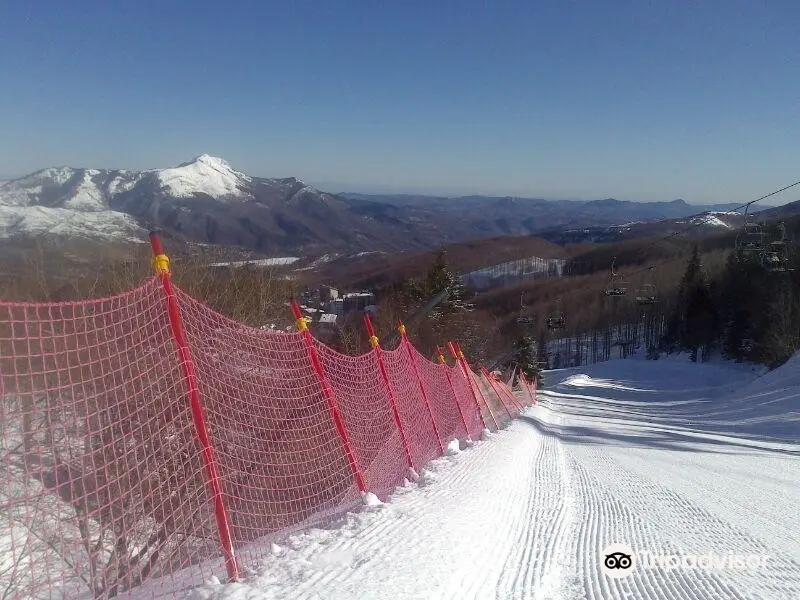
[206, 200]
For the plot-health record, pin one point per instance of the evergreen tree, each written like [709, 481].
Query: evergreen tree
[759, 311]
[441, 277]
[693, 326]
[542, 357]
[741, 296]
[525, 357]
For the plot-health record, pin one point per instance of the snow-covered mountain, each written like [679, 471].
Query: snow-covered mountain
[91, 202]
[205, 200]
[65, 201]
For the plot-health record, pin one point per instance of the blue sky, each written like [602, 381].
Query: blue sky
[635, 99]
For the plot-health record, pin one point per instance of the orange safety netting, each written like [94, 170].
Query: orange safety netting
[105, 486]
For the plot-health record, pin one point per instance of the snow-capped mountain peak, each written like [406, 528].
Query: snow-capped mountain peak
[206, 174]
[108, 203]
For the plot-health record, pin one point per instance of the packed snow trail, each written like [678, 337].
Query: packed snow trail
[667, 457]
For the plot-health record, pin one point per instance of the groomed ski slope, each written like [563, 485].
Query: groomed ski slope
[665, 456]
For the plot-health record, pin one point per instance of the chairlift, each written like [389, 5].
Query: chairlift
[556, 320]
[615, 287]
[523, 318]
[775, 257]
[646, 293]
[750, 239]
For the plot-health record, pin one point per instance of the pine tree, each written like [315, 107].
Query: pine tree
[525, 357]
[542, 356]
[736, 288]
[441, 277]
[693, 325]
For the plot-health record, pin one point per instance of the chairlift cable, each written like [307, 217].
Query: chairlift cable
[697, 223]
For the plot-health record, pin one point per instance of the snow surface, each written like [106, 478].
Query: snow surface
[520, 269]
[87, 196]
[665, 456]
[204, 175]
[89, 191]
[318, 262]
[711, 220]
[109, 224]
[59, 175]
[123, 183]
[261, 262]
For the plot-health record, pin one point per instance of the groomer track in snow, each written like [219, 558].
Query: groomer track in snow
[686, 462]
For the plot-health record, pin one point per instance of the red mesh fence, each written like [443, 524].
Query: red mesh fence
[528, 389]
[493, 413]
[466, 399]
[414, 415]
[103, 485]
[279, 456]
[106, 490]
[445, 407]
[364, 401]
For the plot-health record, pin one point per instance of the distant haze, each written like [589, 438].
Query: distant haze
[455, 192]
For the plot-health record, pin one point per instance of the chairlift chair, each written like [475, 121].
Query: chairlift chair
[775, 257]
[646, 292]
[750, 240]
[615, 287]
[556, 320]
[524, 317]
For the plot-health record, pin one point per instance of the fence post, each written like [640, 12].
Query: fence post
[459, 356]
[508, 392]
[161, 265]
[316, 363]
[441, 361]
[489, 380]
[477, 384]
[404, 341]
[528, 387]
[375, 343]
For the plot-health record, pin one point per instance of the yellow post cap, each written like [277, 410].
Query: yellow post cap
[161, 264]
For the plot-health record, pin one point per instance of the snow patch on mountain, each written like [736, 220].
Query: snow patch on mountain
[710, 220]
[124, 182]
[87, 196]
[59, 175]
[104, 224]
[260, 262]
[16, 196]
[204, 175]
